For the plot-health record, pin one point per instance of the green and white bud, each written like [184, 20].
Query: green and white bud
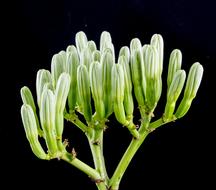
[96, 82]
[91, 46]
[105, 40]
[175, 63]
[135, 44]
[27, 98]
[96, 55]
[173, 93]
[86, 57]
[30, 126]
[43, 77]
[81, 41]
[83, 86]
[192, 86]
[157, 42]
[47, 118]
[125, 51]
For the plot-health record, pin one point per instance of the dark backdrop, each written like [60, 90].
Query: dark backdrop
[178, 155]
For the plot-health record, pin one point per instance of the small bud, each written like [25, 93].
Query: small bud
[173, 93]
[97, 88]
[84, 91]
[86, 57]
[47, 118]
[43, 77]
[135, 44]
[105, 40]
[81, 41]
[126, 53]
[157, 42]
[91, 46]
[192, 86]
[175, 62]
[31, 131]
[96, 55]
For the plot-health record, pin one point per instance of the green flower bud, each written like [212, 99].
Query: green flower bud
[58, 66]
[153, 77]
[72, 65]
[84, 92]
[97, 88]
[96, 55]
[47, 118]
[128, 99]
[173, 93]
[27, 98]
[105, 40]
[192, 86]
[138, 78]
[157, 42]
[61, 93]
[175, 62]
[43, 77]
[86, 57]
[135, 44]
[31, 131]
[126, 53]
[107, 63]
[81, 41]
[91, 46]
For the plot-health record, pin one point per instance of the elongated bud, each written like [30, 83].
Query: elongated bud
[27, 98]
[31, 131]
[91, 46]
[84, 92]
[128, 99]
[72, 65]
[138, 78]
[126, 53]
[157, 42]
[192, 86]
[61, 93]
[153, 77]
[47, 117]
[105, 40]
[86, 57]
[96, 55]
[135, 44]
[97, 88]
[107, 63]
[173, 93]
[81, 41]
[43, 77]
[58, 66]
[175, 63]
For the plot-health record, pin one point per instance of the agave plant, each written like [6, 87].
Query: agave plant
[83, 73]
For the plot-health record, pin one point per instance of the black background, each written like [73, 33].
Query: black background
[178, 155]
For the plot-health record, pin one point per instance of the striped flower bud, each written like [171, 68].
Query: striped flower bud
[27, 98]
[125, 52]
[157, 42]
[97, 88]
[173, 93]
[135, 44]
[128, 99]
[192, 86]
[43, 77]
[72, 65]
[86, 57]
[153, 77]
[105, 40]
[107, 63]
[47, 118]
[31, 131]
[61, 93]
[96, 55]
[81, 41]
[91, 46]
[83, 86]
[138, 78]
[175, 63]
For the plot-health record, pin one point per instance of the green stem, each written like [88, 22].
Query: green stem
[159, 122]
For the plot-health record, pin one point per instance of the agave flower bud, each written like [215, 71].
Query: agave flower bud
[72, 64]
[47, 118]
[135, 44]
[125, 51]
[107, 63]
[97, 88]
[61, 93]
[138, 78]
[153, 77]
[84, 92]
[81, 41]
[31, 131]
[175, 62]
[27, 98]
[86, 57]
[43, 77]
[157, 42]
[173, 93]
[96, 55]
[58, 66]
[192, 86]
[105, 40]
[128, 99]
[91, 46]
